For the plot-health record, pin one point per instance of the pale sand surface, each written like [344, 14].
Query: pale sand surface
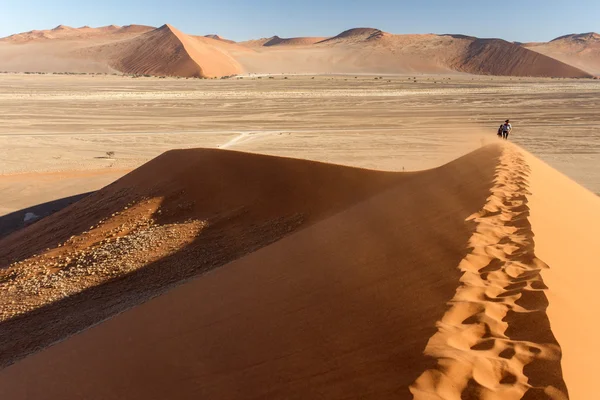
[67, 123]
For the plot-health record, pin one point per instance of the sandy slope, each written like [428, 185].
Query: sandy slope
[461, 282]
[321, 313]
[579, 50]
[566, 220]
[183, 213]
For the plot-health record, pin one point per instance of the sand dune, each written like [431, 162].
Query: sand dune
[178, 215]
[63, 32]
[356, 34]
[167, 51]
[498, 57]
[277, 41]
[579, 50]
[372, 50]
[217, 37]
[321, 312]
[456, 282]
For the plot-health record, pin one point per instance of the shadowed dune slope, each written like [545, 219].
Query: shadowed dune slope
[217, 37]
[181, 214]
[498, 57]
[579, 50]
[355, 35]
[340, 310]
[167, 51]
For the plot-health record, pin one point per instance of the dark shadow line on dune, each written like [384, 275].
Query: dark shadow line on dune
[14, 221]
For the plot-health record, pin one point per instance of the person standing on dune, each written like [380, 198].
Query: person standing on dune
[506, 128]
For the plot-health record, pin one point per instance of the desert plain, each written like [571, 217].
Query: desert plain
[56, 130]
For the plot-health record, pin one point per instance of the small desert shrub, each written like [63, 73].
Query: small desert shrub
[110, 154]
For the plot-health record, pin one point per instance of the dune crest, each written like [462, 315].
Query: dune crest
[495, 339]
[566, 220]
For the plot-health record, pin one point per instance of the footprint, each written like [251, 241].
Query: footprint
[507, 353]
[484, 345]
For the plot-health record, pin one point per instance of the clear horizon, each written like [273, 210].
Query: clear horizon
[523, 21]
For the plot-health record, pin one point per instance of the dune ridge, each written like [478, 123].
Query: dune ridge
[495, 339]
[343, 328]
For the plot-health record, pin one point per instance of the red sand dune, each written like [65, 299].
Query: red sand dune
[167, 51]
[579, 50]
[498, 57]
[239, 202]
[464, 281]
[321, 313]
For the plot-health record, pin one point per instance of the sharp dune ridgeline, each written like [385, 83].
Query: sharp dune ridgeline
[166, 51]
[309, 280]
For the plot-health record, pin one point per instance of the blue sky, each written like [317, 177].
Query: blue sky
[525, 20]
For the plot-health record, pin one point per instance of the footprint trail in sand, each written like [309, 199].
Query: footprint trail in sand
[495, 341]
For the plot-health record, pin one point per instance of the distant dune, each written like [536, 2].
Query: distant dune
[277, 41]
[325, 282]
[579, 50]
[217, 37]
[498, 57]
[63, 32]
[356, 34]
[167, 51]
[371, 50]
